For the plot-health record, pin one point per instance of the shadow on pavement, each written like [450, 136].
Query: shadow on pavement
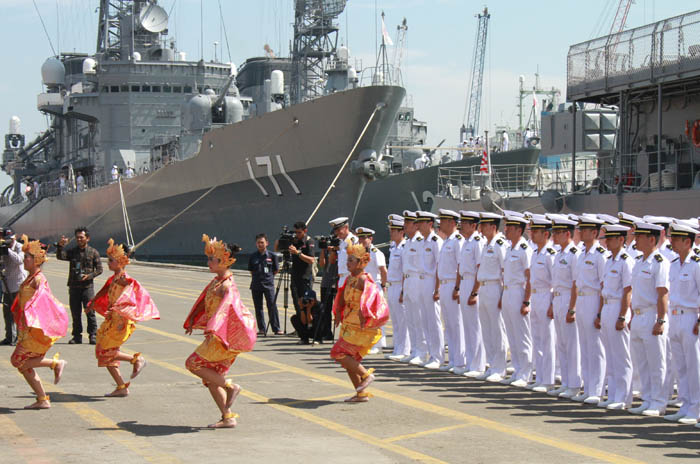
[58, 397]
[150, 430]
[299, 404]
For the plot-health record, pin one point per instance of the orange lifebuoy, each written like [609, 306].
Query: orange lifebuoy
[696, 133]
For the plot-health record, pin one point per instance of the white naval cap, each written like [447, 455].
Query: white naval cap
[425, 216]
[588, 221]
[562, 222]
[615, 230]
[692, 222]
[395, 217]
[471, 216]
[540, 221]
[658, 220]
[683, 230]
[490, 217]
[641, 227]
[448, 214]
[628, 219]
[338, 222]
[572, 216]
[396, 223]
[507, 212]
[514, 219]
[364, 232]
[608, 219]
[409, 215]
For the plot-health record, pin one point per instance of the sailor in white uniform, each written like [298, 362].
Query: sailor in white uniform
[588, 280]
[376, 268]
[542, 326]
[394, 278]
[490, 289]
[614, 317]
[412, 263]
[650, 287]
[466, 289]
[629, 221]
[341, 230]
[444, 288]
[563, 307]
[430, 308]
[684, 305]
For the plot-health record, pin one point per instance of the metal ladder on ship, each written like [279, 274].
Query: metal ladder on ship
[21, 212]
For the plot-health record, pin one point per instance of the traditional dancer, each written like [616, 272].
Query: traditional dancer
[229, 329]
[41, 320]
[123, 302]
[362, 310]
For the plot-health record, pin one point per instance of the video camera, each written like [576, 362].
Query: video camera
[4, 246]
[285, 239]
[324, 241]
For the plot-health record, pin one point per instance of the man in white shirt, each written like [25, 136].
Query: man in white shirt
[394, 278]
[430, 309]
[13, 274]
[650, 287]
[376, 268]
[422, 161]
[505, 142]
[411, 260]
[341, 230]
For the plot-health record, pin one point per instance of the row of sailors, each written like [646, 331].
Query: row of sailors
[560, 306]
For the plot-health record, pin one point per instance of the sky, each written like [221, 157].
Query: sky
[524, 38]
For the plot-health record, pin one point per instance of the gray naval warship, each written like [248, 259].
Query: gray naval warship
[629, 140]
[145, 144]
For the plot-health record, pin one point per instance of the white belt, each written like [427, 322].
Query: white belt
[446, 281]
[678, 310]
[389, 284]
[514, 286]
[483, 283]
[643, 310]
[465, 274]
[562, 291]
[541, 290]
[588, 292]
[413, 274]
[610, 300]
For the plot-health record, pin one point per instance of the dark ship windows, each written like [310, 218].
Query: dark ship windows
[188, 89]
[146, 88]
[114, 89]
[177, 89]
[167, 89]
[156, 88]
[135, 88]
[125, 88]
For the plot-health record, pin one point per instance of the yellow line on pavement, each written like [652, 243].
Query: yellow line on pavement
[425, 432]
[22, 444]
[435, 409]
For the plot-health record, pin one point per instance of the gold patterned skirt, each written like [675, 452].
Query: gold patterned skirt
[355, 341]
[211, 354]
[114, 331]
[31, 343]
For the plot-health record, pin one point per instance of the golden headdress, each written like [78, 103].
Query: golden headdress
[35, 249]
[217, 249]
[116, 252]
[359, 252]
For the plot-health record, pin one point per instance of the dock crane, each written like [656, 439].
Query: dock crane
[472, 109]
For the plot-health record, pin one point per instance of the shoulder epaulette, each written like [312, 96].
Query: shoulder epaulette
[624, 256]
[375, 249]
[551, 251]
[419, 238]
[435, 238]
[477, 238]
[601, 250]
[658, 257]
[523, 246]
[634, 246]
[674, 260]
[696, 251]
[695, 258]
[638, 257]
[499, 241]
[458, 237]
[669, 246]
[573, 250]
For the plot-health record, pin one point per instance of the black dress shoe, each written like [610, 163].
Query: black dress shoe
[93, 340]
[75, 341]
[6, 342]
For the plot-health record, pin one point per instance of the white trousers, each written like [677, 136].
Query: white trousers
[494, 330]
[567, 346]
[686, 357]
[618, 359]
[543, 337]
[592, 349]
[412, 302]
[474, 351]
[399, 320]
[649, 358]
[454, 325]
[431, 320]
[381, 343]
[518, 332]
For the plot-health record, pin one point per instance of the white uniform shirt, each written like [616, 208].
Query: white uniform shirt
[411, 255]
[564, 268]
[469, 254]
[617, 274]
[491, 260]
[395, 272]
[376, 260]
[351, 239]
[431, 252]
[666, 251]
[590, 267]
[541, 268]
[632, 249]
[517, 261]
[648, 275]
[685, 283]
[449, 256]
[13, 264]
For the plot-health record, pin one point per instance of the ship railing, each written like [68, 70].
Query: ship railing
[381, 75]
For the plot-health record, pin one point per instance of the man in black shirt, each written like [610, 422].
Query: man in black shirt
[301, 275]
[304, 325]
[85, 265]
[263, 267]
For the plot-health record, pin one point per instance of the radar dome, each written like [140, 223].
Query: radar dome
[53, 72]
[153, 18]
[15, 125]
[343, 54]
[277, 82]
[352, 74]
[89, 66]
[197, 113]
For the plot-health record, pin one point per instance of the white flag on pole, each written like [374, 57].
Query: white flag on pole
[385, 34]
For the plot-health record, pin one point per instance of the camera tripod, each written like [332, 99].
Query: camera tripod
[283, 280]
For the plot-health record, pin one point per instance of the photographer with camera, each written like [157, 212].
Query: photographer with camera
[85, 265]
[13, 274]
[305, 320]
[301, 251]
[341, 229]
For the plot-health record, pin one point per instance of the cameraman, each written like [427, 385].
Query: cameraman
[301, 275]
[328, 260]
[341, 230]
[13, 274]
[85, 265]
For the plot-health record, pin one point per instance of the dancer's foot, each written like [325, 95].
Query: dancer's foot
[232, 392]
[359, 398]
[367, 379]
[139, 363]
[42, 402]
[58, 370]
[228, 421]
[120, 392]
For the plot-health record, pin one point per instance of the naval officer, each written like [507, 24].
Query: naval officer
[445, 286]
[467, 291]
[430, 308]
[650, 287]
[341, 230]
[375, 268]
[684, 304]
[412, 264]
[614, 317]
[490, 276]
[515, 305]
[629, 220]
[394, 278]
